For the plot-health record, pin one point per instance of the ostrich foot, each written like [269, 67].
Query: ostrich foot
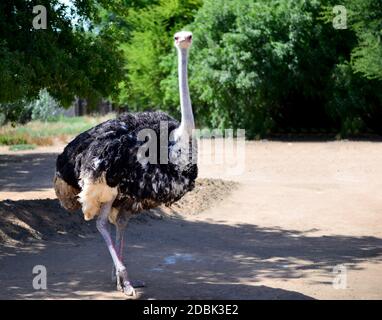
[117, 280]
[133, 283]
[128, 289]
[126, 286]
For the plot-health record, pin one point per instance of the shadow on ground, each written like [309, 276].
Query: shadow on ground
[182, 259]
[25, 220]
[27, 172]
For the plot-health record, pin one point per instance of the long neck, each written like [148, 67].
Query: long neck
[187, 123]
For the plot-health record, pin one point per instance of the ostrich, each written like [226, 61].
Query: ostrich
[103, 171]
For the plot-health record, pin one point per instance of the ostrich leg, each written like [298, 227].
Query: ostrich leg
[102, 223]
[121, 225]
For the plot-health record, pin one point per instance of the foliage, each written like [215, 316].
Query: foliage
[366, 21]
[151, 39]
[15, 112]
[68, 58]
[45, 107]
[355, 95]
[270, 66]
[39, 132]
[263, 65]
[265, 69]
[355, 101]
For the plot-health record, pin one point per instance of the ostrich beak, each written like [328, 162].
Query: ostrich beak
[183, 39]
[186, 39]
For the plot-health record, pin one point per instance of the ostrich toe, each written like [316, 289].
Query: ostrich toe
[128, 289]
[125, 285]
[119, 280]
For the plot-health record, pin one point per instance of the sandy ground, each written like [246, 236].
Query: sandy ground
[296, 213]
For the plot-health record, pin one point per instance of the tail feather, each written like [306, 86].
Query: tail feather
[67, 194]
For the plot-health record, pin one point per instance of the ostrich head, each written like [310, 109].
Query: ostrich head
[183, 39]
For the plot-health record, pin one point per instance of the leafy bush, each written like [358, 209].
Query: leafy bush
[15, 112]
[10, 139]
[354, 101]
[45, 108]
[365, 19]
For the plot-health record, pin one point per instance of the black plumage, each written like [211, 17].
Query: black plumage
[110, 149]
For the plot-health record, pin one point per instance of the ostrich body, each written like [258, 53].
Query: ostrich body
[101, 170]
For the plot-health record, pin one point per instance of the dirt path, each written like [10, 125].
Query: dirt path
[298, 211]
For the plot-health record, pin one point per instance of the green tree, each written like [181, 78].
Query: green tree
[68, 58]
[277, 65]
[355, 93]
[260, 65]
[365, 18]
